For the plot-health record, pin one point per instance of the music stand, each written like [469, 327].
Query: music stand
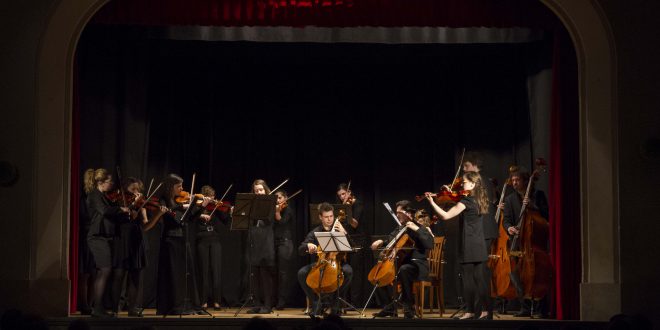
[248, 210]
[332, 241]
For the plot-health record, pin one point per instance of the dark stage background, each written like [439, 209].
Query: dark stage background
[391, 118]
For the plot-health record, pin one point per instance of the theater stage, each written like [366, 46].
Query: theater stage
[293, 318]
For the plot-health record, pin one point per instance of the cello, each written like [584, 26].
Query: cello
[499, 261]
[529, 247]
[326, 275]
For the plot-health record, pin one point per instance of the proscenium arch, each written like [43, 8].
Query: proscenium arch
[600, 293]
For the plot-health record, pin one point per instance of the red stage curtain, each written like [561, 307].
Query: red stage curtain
[564, 194]
[328, 13]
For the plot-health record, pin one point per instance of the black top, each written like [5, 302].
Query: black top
[357, 208]
[473, 246]
[211, 228]
[173, 224]
[284, 227]
[490, 223]
[104, 216]
[513, 205]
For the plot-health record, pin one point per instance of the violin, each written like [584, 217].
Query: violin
[216, 205]
[184, 197]
[446, 196]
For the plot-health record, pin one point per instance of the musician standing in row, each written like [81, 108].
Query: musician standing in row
[283, 228]
[474, 163]
[209, 250]
[311, 246]
[262, 256]
[129, 257]
[472, 253]
[102, 231]
[358, 240]
[513, 204]
[414, 266]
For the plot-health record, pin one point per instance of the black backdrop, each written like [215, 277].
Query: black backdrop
[391, 118]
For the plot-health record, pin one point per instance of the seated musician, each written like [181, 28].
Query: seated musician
[414, 266]
[310, 245]
[513, 204]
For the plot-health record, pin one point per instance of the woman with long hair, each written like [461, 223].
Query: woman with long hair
[104, 217]
[472, 254]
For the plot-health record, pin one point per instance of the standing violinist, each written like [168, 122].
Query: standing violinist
[175, 253]
[513, 204]
[474, 163]
[262, 257]
[102, 231]
[129, 257]
[311, 246]
[472, 254]
[209, 249]
[356, 260]
[283, 228]
[414, 266]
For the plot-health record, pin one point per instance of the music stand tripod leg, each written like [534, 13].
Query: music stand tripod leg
[370, 297]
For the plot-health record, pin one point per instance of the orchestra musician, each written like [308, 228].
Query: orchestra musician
[102, 231]
[209, 250]
[283, 228]
[414, 266]
[358, 239]
[129, 257]
[175, 254]
[513, 204]
[473, 162]
[310, 246]
[262, 257]
[473, 253]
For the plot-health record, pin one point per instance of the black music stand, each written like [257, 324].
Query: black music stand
[248, 209]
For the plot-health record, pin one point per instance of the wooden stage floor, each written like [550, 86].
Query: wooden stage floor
[293, 318]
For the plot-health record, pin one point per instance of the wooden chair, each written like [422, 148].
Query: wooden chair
[435, 282]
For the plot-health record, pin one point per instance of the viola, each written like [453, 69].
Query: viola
[184, 197]
[216, 205]
[446, 196]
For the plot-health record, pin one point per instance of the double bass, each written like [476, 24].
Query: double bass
[529, 248]
[499, 261]
[326, 275]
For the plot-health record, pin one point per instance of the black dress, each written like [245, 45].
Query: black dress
[102, 229]
[472, 246]
[86, 264]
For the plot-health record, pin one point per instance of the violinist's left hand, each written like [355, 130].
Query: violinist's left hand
[205, 217]
[354, 223]
[412, 225]
[205, 201]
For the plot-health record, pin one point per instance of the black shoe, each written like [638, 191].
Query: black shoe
[522, 314]
[264, 310]
[103, 314]
[408, 312]
[488, 316]
[136, 312]
[216, 307]
[254, 310]
[385, 312]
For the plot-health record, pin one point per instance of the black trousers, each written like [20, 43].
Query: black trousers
[408, 273]
[209, 256]
[284, 275]
[488, 275]
[172, 295]
[262, 285]
[474, 287]
[309, 292]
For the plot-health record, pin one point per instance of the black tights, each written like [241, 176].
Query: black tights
[475, 289]
[134, 288]
[85, 290]
[102, 275]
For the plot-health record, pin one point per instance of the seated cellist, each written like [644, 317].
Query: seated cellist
[311, 246]
[513, 204]
[414, 266]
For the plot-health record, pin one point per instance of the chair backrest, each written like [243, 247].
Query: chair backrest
[435, 258]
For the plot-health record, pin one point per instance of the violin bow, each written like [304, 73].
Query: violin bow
[294, 194]
[150, 184]
[278, 187]
[458, 170]
[389, 209]
[192, 186]
[221, 199]
[152, 193]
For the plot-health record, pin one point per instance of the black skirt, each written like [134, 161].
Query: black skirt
[101, 249]
[129, 250]
[86, 264]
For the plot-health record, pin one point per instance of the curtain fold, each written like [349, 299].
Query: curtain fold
[74, 224]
